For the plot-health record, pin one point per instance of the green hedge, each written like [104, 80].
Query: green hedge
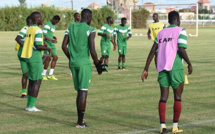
[139, 18]
[100, 15]
[13, 18]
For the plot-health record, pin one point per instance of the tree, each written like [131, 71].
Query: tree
[139, 18]
[22, 2]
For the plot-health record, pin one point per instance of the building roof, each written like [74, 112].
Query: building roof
[94, 4]
[148, 3]
[203, 1]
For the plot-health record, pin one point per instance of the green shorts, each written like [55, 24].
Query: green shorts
[105, 49]
[35, 70]
[122, 50]
[23, 64]
[173, 78]
[53, 48]
[81, 76]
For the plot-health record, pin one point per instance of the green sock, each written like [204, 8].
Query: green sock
[118, 64]
[24, 91]
[28, 100]
[123, 64]
[33, 101]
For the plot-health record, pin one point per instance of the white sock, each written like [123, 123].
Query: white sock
[70, 72]
[44, 72]
[175, 124]
[51, 71]
[163, 125]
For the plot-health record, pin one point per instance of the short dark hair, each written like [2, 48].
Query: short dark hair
[33, 14]
[75, 14]
[56, 17]
[155, 14]
[28, 19]
[85, 12]
[123, 19]
[108, 18]
[173, 15]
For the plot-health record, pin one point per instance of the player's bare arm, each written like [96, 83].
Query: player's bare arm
[41, 47]
[149, 34]
[64, 46]
[18, 40]
[91, 42]
[184, 55]
[103, 34]
[114, 39]
[149, 59]
[114, 44]
[127, 38]
[47, 38]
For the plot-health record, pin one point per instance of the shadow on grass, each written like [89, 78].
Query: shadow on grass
[126, 123]
[8, 94]
[14, 74]
[42, 117]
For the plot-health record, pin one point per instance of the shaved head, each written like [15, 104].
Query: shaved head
[86, 16]
[36, 17]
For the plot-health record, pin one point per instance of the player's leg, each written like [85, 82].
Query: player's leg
[35, 79]
[162, 108]
[177, 107]
[102, 59]
[24, 85]
[119, 61]
[106, 53]
[84, 77]
[30, 85]
[47, 59]
[44, 57]
[123, 57]
[51, 71]
[123, 62]
[177, 82]
[33, 93]
[24, 80]
[81, 105]
[106, 62]
[156, 53]
[163, 79]
[102, 53]
[53, 63]
[120, 56]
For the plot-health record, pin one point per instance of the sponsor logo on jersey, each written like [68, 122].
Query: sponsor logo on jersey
[157, 28]
[165, 40]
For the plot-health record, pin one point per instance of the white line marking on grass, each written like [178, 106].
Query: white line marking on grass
[157, 129]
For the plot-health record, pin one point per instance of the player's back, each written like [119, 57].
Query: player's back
[167, 47]
[78, 44]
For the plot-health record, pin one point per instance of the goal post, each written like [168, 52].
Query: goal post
[188, 13]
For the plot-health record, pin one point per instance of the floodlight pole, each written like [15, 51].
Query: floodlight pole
[130, 17]
[197, 19]
[112, 4]
[72, 4]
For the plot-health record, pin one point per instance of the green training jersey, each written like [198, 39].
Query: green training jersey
[106, 29]
[182, 42]
[22, 33]
[48, 31]
[78, 43]
[122, 33]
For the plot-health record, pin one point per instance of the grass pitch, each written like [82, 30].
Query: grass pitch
[118, 101]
